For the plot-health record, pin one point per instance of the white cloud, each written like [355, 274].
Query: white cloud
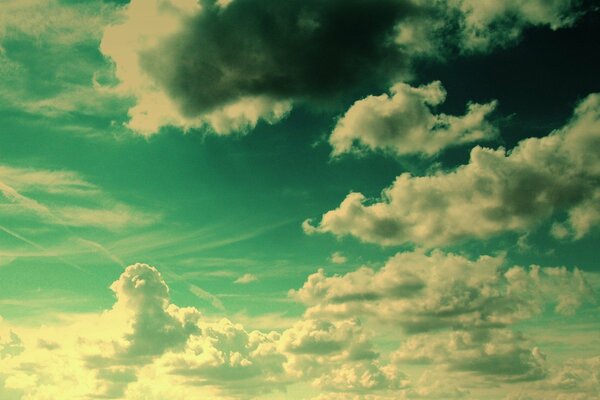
[146, 24]
[145, 347]
[245, 279]
[497, 191]
[488, 23]
[204, 295]
[69, 24]
[424, 292]
[63, 192]
[501, 353]
[403, 123]
[575, 379]
[184, 72]
[456, 314]
[361, 378]
[338, 258]
[65, 182]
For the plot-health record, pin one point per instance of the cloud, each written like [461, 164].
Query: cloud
[70, 24]
[403, 123]
[422, 292]
[487, 24]
[10, 346]
[36, 36]
[145, 347]
[496, 192]
[68, 200]
[575, 379]
[499, 353]
[457, 314]
[245, 279]
[228, 65]
[153, 324]
[204, 295]
[471, 26]
[338, 258]
[361, 378]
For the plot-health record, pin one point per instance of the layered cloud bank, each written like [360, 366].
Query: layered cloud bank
[145, 347]
[496, 192]
[458, 315]
[228, 65]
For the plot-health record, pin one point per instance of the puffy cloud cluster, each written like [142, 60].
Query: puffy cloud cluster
[457, 313]
[146, 347]
[497, 191]
[403, 123]
[425, 292]
[575, 379]
[501, 353]
[227, 65]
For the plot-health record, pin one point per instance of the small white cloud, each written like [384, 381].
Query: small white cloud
[338, 258]
[403, 123]
[245, 279]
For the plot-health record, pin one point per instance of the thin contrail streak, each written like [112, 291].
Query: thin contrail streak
[37, 246]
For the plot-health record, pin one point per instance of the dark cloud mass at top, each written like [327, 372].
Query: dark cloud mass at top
[294, 49]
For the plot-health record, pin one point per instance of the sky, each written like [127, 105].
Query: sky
[300, 199]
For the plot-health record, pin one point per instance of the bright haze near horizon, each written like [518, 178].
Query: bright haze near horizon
[299, 199]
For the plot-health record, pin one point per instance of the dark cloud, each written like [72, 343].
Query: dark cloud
[298, 49]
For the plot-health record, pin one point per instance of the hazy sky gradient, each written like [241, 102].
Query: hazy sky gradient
[320, 200]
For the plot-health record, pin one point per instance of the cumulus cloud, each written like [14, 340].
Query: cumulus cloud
[500, 353]
[575, 379]
[403, 123]
[496, 23]
[426, 292]
[361, 378]
[227, 65]
[146, 347]
[497, 191]
[457, 313]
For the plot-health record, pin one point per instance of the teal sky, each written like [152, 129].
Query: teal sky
[371, 200]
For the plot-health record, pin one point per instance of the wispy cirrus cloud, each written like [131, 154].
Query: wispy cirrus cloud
[64, 198]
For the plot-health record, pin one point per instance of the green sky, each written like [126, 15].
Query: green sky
[300, 199]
